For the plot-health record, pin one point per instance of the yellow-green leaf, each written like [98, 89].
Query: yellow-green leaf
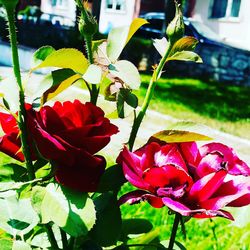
[65, 58]
[119, 37]
[183, 132]
[189, 56]
[134, 26]
[93, 74]
[57, 89]
[187, 43]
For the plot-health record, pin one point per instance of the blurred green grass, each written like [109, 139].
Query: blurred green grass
[220, 106]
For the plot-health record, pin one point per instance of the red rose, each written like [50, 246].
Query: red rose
[190, 181]
[68, 134]
[10, 143]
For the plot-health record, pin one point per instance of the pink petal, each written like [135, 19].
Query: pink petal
[207, 186]
[130, 163]
[231, 193]
[196, 213]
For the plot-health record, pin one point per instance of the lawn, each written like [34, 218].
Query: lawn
[220, 106]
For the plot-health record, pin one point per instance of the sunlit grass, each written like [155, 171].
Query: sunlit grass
[219, 106]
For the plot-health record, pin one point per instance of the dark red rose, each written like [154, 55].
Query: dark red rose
[68, 135]
[188, 180]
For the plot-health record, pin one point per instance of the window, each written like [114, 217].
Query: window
[116, 5]
[225, 8]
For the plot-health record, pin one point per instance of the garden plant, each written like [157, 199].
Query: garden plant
[61, 193]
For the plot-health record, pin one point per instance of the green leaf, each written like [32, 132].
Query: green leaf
[17, 217]
[112, 179]
[129, 97]
[127, 72]
[96, 44]
[6, 104]
[72, 211]
[93, 74]
[6, 244]
[108, 210]
[183, 132]
[21, 245]
[13, 172]
[65, 58]
[134, 26]
[187, 43]
[61, 80]
[185, 56]
[120, 105]
[148, 237]
[135, 226]
[41, 54]
[119, 37]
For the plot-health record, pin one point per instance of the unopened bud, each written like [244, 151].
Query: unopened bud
[87, 23]
[175, 29]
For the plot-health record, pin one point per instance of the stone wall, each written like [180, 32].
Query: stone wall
[224, 64]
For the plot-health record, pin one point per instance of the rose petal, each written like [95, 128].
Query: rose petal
[197, 213]
[11, 145]
[229, 193]
[207, 186]
[84, 176]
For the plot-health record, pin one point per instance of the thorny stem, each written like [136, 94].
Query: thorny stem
[94, 91]
[148, 97]
[174, 230]
[22, 111]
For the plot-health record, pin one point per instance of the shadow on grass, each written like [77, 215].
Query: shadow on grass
[214, 100]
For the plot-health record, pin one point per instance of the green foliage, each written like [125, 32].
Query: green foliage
[119, 37]
[41, 54]
[72, 211]
[185, 56]
[13, 172]
[112, 179]
[65, 58]
[17, 217]
[125, 97]
[108, 225]
[61, 80]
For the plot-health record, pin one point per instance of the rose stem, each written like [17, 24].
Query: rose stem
[51, 237]
[64, 239]
[88, 45]
[95, 91]
[22, 112]
[174, 230]
[148, 97]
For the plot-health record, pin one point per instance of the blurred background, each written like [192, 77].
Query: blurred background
[215, 93]
[221, 26]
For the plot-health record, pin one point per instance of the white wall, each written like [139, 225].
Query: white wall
[112, 18]
[67, 9]
[235, 31]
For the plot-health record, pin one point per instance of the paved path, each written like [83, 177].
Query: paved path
[153, 122]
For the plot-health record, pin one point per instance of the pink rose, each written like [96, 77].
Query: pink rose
[187, 179]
